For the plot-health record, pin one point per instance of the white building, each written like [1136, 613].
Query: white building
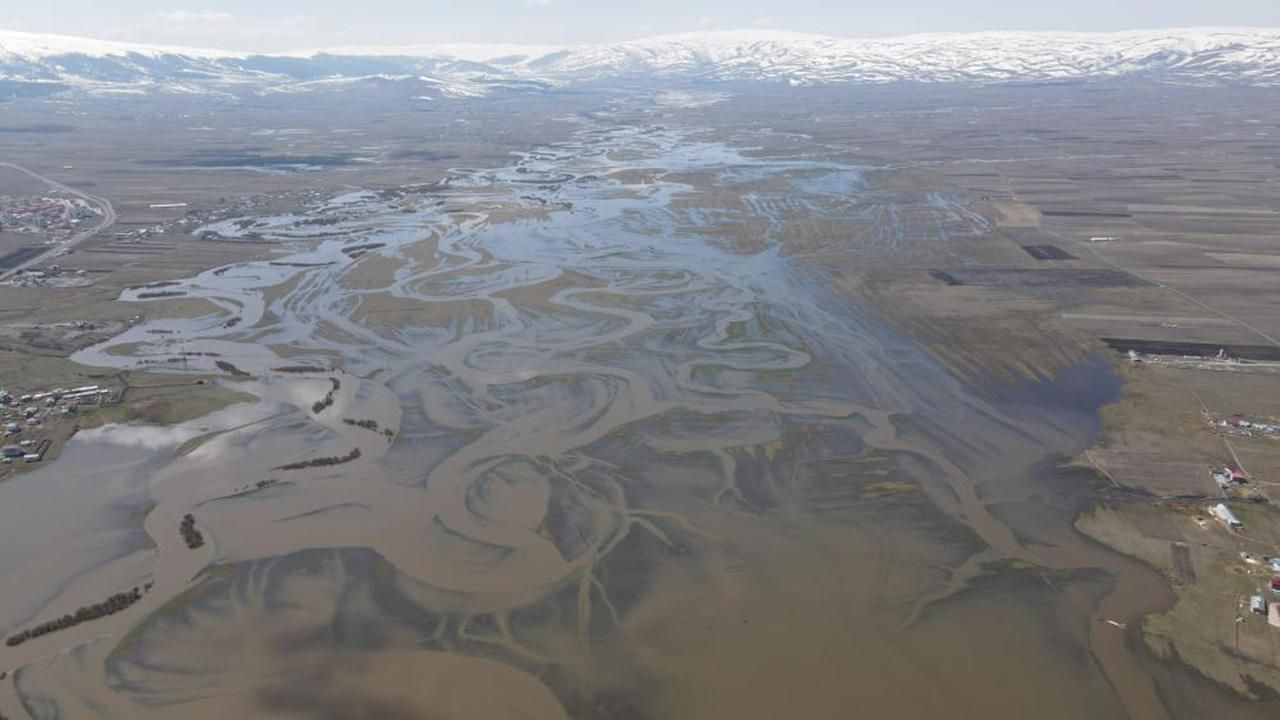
[1258, 604]
[1224, 514]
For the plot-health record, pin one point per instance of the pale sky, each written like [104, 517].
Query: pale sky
[272, 25]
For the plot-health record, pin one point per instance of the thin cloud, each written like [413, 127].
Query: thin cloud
[230, 31]
[193, 17]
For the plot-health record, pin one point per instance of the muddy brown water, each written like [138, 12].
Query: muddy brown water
[660, 477]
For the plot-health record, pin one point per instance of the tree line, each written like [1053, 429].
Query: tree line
[320, 405]
[321, 462]
[110, 606]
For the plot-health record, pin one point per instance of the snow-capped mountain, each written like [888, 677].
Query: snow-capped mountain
[1233, 55]
[1227, 55]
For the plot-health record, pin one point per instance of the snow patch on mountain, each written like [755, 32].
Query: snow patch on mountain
[1201, 55]
[35, 46]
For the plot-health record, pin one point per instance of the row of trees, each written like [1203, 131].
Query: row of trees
[321, 462]
[370, 425]
[110, 606]
[321, 405]
[227, 367]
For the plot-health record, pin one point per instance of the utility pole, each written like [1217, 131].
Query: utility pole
[1239, 620]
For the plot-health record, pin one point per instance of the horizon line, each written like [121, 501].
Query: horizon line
[410, 49]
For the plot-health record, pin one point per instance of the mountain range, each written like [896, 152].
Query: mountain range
[43, 64]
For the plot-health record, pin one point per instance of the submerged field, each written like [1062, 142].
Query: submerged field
[649, 421]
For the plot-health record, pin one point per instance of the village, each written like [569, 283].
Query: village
[45, 214]
[1264, 570]
[1236, 485]
[1247, 427]
[34, 421]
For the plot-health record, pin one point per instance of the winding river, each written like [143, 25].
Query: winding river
[625, 450]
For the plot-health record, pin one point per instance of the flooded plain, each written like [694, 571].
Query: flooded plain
[592, 435]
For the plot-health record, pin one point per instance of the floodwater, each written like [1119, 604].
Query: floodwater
[620, 456]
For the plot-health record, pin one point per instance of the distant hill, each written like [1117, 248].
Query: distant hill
[53, 63]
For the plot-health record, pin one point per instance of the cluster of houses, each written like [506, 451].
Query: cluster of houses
[29, 411]
[1259, 603]
[1249, 428]
[1228, 476]
[43, 214]
[53, 271]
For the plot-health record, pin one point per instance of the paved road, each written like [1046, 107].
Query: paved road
[103, 204]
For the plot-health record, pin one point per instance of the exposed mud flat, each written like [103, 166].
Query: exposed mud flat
[655, 469]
